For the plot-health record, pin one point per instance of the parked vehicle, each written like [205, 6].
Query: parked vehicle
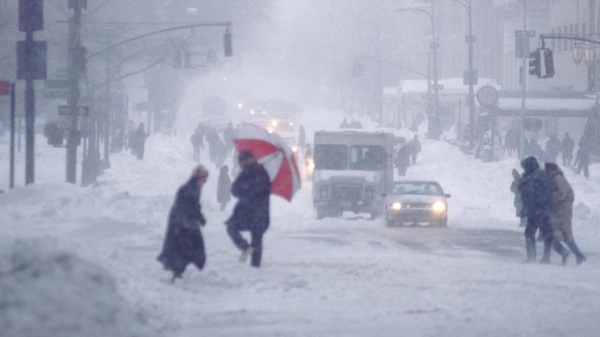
[352, 169]
[416, 202]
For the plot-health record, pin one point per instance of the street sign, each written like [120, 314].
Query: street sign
[57, 84]
[4, 88]
[524, 33]
[31, 15]
[31, 60]
[65, 110]
[56, 94]
[487, 96]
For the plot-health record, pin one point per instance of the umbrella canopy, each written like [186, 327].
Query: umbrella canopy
[271, 151]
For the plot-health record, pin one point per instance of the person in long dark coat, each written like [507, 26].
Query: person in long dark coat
[212, 138]
[140, 141]
[403, 158]
[415, 148]
[553, 148]
[223, 187]
[253, 188]
[183, 241]
[561, 218]
[535, 187]
[567, 150]
[582, 161]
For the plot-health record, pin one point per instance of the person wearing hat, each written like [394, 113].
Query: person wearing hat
[183, 241]
[253, 188]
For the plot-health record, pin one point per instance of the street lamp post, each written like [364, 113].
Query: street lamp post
[434, 128]
[470, 39]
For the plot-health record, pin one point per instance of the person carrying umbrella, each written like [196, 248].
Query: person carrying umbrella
[253, 188]
[183, 241]
[268, 167]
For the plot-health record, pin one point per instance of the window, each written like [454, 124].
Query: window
[566, 42]
[367, 157]
[331, 157]
[553, 43]
[416, 188]
[571, 33]
[558, 44]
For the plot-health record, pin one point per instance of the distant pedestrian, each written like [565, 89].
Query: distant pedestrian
[517, 202]
[568, 145]
[220, 153]
[301, 137]
[139, 141]
[402, 161]
[196, 139]
[536, 194]
[345, 124]
[223, 187]
[582, 161]
[415, 149]
[252, 188]
[183, 242]
[228, 136]
[561, 218]
[511, 140]
[553, 148]
[212, 138]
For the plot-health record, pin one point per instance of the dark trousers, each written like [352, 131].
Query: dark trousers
[242, 244]
[535, 222]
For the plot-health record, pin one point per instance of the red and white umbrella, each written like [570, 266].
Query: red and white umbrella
[271, 151]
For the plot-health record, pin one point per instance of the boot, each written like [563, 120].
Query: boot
[558, 247]
[547, 248]
[579, 256]
[530, 248]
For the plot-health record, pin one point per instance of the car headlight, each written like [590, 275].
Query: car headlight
[294, 148]
[274, 123]
[396, 206]
[311, 165]
[438, 206]
[252, 112]
[270, 130]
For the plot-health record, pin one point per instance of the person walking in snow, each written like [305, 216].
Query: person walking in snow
[563, 197]
[183, 242]
[582, 161]
[197, 139]
[223, 187]
[553, 148]
[536, 194]
[415, 149]
[518, 203]
[403, 158]
[220, 153]
[567, 146]
[139, 141]
[251, 213]
[228, 135]
[212, 138]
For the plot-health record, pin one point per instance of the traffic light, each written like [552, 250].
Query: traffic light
[31, 15]
[535, 65]
[548, 63]
[227, 43]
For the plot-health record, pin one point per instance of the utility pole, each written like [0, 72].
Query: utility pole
[471, 41]
[107, 114]
[437, 127]
[525, 72]
[76, 64]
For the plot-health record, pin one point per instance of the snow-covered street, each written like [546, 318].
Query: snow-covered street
[331, 277]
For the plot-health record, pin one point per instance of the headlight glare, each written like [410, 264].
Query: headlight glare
[438, 206]
[396, 206]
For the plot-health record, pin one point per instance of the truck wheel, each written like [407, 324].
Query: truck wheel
[441, 223]
[389, 222]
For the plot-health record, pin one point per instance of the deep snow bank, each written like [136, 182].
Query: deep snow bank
[48, 291]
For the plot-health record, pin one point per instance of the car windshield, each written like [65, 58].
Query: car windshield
[367, 157]
[416, 188]
[331, 157]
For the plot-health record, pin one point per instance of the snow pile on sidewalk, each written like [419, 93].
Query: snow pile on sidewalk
[47, 291]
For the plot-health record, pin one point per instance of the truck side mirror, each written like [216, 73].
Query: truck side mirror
[448, 195]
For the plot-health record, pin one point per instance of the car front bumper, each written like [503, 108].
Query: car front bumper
[416, 215]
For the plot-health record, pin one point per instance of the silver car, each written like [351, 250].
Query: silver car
[412, 202]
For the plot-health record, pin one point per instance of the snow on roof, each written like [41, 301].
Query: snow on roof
[451, 86]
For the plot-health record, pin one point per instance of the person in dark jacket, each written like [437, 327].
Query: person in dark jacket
[567, 150]
[415, 149]
[253, 188]
[553, 148]
[197, 139]
[403, 158]
[220, 153]
[535, 187]
[183, 241]
[582, 161]
[223, 187]
[563, 197]
[212, 138]
[140, 141]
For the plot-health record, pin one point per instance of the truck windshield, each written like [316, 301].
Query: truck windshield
[367, 157]
[331, 157]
